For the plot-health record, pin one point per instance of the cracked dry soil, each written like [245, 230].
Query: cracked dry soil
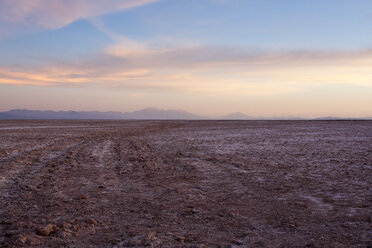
[185, 183]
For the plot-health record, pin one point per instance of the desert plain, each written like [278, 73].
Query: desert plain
[185, 183]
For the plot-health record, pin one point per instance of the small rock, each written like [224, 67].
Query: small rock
[92, 222]
[32, 187]
[181, 239]
[82, 197]
[48, 229]
[195, 211]
[153, 240]
[22, 239]
[151, 236]
[77, 226]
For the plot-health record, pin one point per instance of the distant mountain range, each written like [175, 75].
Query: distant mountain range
[341, 118]
[147, 113]
[144, 114]
[237, 116]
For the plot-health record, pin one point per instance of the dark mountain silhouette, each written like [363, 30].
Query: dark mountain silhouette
[237, 116]
[144, 114]
[147, 113]
[154, 113]
[330, 118]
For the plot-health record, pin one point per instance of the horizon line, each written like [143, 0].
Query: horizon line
[228, 116]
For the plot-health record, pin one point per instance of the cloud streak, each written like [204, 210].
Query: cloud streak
[54, 14]
[129, 64]
[202, 70]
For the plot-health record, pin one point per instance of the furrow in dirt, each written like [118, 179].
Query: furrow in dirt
[185, 184]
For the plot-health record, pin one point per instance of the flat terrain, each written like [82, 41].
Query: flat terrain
[185, 184]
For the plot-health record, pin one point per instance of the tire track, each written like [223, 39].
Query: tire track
[189, 184]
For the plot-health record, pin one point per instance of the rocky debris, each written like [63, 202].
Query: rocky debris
[23, 239]
[78, 226]
[82, 197]
[186, 184]
[181, 239]
[46, 230]
[153, 239]
[28, 240]
[33, 188]
[149, 240]
[92, 222]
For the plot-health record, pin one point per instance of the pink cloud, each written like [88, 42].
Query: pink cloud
[206, 70]
[53, 14]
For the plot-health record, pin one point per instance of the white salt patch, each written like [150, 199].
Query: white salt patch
[100, 152]
[320, 205]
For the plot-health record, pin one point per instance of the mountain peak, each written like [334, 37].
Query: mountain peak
[236, 116]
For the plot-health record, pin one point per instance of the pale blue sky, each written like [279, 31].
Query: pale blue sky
[283, 24]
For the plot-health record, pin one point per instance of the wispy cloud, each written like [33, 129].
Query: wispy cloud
[202, 70]
[54, 14]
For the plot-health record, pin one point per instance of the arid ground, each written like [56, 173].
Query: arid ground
[185, 184]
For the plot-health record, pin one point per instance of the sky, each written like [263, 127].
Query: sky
[265, 58]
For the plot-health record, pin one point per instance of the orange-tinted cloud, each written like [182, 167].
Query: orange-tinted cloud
[203, 70]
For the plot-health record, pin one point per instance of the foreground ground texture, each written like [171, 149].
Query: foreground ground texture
[185, 184]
